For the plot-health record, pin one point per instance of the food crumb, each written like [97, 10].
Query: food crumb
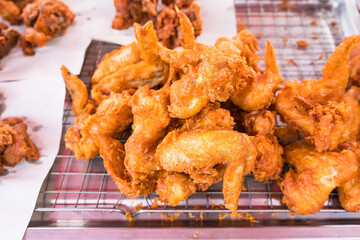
[196, 235]
[155, 204]
[315, 35]
[333, 23]
[138, 207]
[292, 215]
[285, 39]
[321, 55]
[292, 61]
[213, 205]
[129, 217]
[221, 206]
[259, 35]
[197, 207]
[274, 214]
[265, 202]
[177, 214]
[191, 216]
[167, 216]
[223, 215]
[313, 22]
[302, 43]
[201, 216]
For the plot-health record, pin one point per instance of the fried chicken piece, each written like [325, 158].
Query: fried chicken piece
[45, 19]
[315, 107]
[349, 192]
[307, 188]
[151, 117]
[260, 122]
[129, 12]
[197, 152]
[243, 44]
[10, 12]
[260, 93]
[179, 3]
[354, 65]
[15, 144]
[286, 134]
[8, 39]
[112, 152]
[352, 99]
[269, 160]
[167, 24]
[174, 187]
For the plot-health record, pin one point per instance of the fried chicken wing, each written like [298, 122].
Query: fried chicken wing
[269, 160]
[349, 192]
[45, 19]
[151, 117]
[197, 152]
[8, 39]
[307, 188]
[260, 93]
[15, 143]
[316, 107]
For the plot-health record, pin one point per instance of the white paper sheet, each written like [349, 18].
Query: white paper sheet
[41, 102]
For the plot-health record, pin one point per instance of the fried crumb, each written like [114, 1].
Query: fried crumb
[292, 215]
[315, 35]
[177, 214]
[259, 35]
[250, 217]
[196, 235]
[274, 214]
[302, 43]
[191, 216]
[167, 216]
[155, 204]
[129, 217]
[312, 63]
[221, 206]
[285, 4]
[201, 216]
[138, 207]
[197, 207]
[265, 202]
[240, 27]
[299, 77]
[321, 55]
[292, 61]
[313, 22]
[285, 39]
[333, 23]
[223, 216]
[213, 205]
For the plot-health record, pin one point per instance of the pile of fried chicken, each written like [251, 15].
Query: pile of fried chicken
[45, 19]
[204, 114]
[166, 22]
[15, 144]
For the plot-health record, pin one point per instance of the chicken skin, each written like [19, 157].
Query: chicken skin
[352, 99]
[45, 19]
[316, 107]
[197, 152]
[307, 188]
[354, 65]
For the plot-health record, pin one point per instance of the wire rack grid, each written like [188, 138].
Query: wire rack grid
[75, 186]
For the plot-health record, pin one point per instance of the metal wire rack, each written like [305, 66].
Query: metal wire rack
[75, 186]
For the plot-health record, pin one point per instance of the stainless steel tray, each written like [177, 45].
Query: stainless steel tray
[79, 195]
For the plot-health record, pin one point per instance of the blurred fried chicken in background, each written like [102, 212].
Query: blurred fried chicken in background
[8, 39]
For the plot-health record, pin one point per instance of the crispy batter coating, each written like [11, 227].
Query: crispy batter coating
[307, 188]
[8, 39]
[45, 19]
[349, 192]
[15, 144]
[197, 152]
[286, 135]
[315, 107]
[260, 122]
[354, 65]
[260, 93]
[352, 98]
